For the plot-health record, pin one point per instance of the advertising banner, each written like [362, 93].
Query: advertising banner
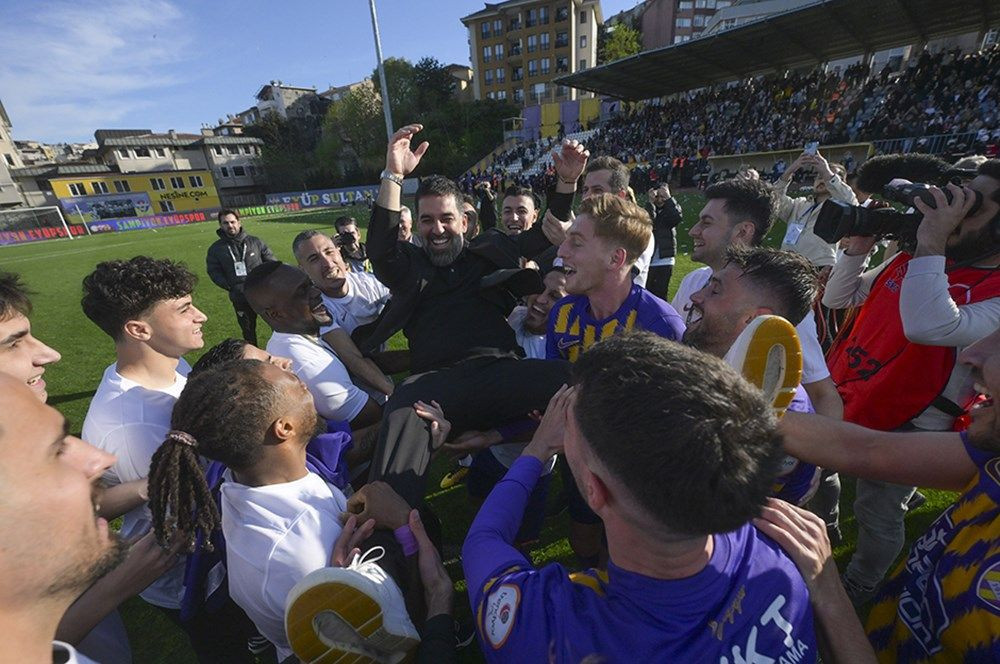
[152, 221]
[82, 209]
[343, 197]
[43, 233]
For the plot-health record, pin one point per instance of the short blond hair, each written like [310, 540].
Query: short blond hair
[620, 221]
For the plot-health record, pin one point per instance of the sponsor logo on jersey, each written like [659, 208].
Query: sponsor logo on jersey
[501, 611]
[988, 587]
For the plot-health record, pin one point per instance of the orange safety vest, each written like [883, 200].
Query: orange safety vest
[885, 379]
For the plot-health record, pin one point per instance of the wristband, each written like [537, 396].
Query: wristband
[406, 539]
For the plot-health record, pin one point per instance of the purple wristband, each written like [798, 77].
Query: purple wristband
[406, 539]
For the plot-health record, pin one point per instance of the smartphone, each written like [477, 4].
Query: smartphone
[812, 147]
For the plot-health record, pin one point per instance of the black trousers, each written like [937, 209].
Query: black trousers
[247, 318]
[219, 637]
[475, 394]
[658, 280]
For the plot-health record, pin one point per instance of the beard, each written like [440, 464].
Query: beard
[81, 576]
[446, 256]
[973, 247]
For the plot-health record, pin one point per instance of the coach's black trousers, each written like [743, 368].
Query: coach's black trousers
[476, 394]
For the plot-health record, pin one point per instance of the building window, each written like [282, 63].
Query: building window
[532, 18]
[545, 66]
[532, 67]
[497, 28]
[159, 152]
[499, 51]
[195, 181]
[157, 184]
[560, 90]
[485, 30]
[583, 41]
[517, 73]
[500, 75]
[583, 17]
[77, 189]
[532, 43]
[515, 23]
[722, 4]
[562, 64]
[683, 23]
[166, 206]
[123, 153]
[518, 95]
[700, 4]
[562, 39]
[177, 182]
[122, 186]
[247, 150]
[562, 13]
[537, 91]
[488, 77]
[515, 47]
[233, 149]
[545, 41]
[685, 5]
[99, 187]
[502, 95]
[217, 150]
[487, 53]
[543, 15]
[583, 65]
[142, 153]
[225, 172]
[678, 39]
[699, 21]
[239, 171]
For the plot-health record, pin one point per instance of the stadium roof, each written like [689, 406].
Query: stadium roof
[819, 32]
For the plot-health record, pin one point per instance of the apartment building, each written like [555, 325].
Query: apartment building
[9, 158]
[517, 48]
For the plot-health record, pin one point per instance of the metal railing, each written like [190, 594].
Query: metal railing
[935, 144]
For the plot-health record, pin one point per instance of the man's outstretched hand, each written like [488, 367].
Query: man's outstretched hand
[399, 158]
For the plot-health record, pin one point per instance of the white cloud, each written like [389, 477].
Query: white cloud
[68, 68]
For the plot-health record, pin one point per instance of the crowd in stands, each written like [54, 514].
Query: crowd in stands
[274, 498]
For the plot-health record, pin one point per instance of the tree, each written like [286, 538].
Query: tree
[621, 42]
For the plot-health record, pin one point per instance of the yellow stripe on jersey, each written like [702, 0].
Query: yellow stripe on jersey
[609, 328]
[585, 579]
[630, 321]
[562, 318]
[589, 334]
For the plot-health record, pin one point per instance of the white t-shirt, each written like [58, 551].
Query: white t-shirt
[314, 362]
[131, 422]
[534, 349]
[814, 367]
[366, 296]
[275, 535]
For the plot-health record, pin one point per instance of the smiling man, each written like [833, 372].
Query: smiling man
[293, 306]
[607, 237]
[519, 211]
[23, 356]
[48, 481]
[145, 306]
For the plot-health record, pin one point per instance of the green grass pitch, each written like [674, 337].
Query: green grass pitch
[54, 270]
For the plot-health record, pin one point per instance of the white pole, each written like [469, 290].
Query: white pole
[381, 73]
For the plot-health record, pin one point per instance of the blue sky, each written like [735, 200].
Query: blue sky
[70, 67]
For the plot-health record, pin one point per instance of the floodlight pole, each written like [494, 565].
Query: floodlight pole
[381, 73]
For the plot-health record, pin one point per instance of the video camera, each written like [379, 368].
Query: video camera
[839, 220]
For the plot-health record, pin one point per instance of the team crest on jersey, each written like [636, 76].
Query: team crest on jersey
[501, 610]
[988, 587]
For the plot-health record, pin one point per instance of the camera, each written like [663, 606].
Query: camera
[839, 220]
[343, 239]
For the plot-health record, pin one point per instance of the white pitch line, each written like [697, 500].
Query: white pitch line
[28, 259]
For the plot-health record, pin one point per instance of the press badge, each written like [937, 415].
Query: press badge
[794, 231]
[241, 268]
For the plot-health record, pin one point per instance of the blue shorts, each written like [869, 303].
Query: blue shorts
[486, 471]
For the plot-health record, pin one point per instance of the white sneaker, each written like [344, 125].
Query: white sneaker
[355, 612]
[768, 355]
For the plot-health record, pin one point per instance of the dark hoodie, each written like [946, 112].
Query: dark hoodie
[222, 267]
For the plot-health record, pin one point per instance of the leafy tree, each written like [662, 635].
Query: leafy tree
[621, 42]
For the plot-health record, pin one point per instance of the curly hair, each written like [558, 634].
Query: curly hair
[223, 414]
[122, 290]
[14, 296]
[696, 446]
[222, 352]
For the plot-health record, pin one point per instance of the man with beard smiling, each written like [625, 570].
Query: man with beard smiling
[293, 306]
[451, 298]
[48, 481]
[942, 601]
[896, 369]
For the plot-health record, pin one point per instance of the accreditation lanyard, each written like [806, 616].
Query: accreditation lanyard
[240, 265]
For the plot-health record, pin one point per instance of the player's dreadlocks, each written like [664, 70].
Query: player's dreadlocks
[223, 415]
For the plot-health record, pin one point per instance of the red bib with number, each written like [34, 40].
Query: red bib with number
[885, 379]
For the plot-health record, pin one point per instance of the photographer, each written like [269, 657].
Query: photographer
[352, 249]
[896, 369]
[800, 213]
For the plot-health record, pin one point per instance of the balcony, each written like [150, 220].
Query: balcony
[562, 42]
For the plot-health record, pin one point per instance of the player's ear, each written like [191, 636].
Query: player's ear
[138, 330]
[597, 492]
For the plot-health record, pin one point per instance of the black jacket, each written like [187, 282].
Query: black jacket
[221, 266]
[665, 221]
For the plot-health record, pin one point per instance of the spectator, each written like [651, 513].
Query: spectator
[230, 259]
[353, 250]
[666, 215]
